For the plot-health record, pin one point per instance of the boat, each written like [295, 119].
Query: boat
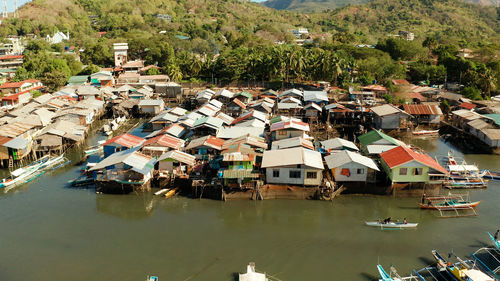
[496, 242]
[425, 132]
[93, 150]
[152, 278]
[396, 225]
[52, 161]
[463, 175]
[81, 181]
[384, 276]
[21, 175]
[462, 270]
[162, 191]
[252, 275]
[171, 192]
[447, 202]
[495, 176]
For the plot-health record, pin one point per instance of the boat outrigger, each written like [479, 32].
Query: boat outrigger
[456, 204]
[462, 270]
[463, 175]
[25, 174]
[495, 176]
[495, 240]
[384, 276]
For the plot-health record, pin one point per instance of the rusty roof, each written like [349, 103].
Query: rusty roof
[422, 109]
[126, 140]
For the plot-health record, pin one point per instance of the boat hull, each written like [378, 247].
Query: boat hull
[391, 224]
[455, 206]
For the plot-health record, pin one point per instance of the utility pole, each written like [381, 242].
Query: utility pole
[4, 12]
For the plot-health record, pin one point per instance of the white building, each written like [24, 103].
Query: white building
[58, 37]
[351, 166]
[298, 166]
[120, 50]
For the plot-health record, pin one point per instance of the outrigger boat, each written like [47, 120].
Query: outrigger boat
[397, 225]
[447, 202]
[29, 172]
[462, 270]
[490, 175]
[425, 132]
[171, 192]
[463, 175]
[252, 275]
[496, 242]
[95, 149]
[384, 276]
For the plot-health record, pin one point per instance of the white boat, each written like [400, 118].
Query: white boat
[252, 275]
[52, 161]
[425, 132]
[21, 175]
[391, 224]
[93, 150]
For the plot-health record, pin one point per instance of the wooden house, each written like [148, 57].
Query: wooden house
[404, 165]
[151, 106]
[288, 129]
[348, 166]
[160, 144]
[388, 117]
[176, 162]
[296, 166]
[205, 148]
[424, 113]
[376, 142]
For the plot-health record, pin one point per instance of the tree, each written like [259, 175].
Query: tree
[54, 80]
[472, 93]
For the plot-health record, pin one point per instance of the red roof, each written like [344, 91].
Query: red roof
[165, 140]
[16, 95]
[375, 88]
[11, 57]
[239, 103]
[467, 105]
[422, 109]
[214, 141]
[17, 84]
[4, 140]
[411, 95]
[126, 140]
[402, 154]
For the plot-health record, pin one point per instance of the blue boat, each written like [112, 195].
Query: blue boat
[496, 242]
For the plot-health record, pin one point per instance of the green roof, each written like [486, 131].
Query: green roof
[495, 117]
[77, 80]
[245, 94]
[276, 119]
[375, 135]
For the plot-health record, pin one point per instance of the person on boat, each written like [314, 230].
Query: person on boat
[404, 221]
[496, 234]
[387, 220]
[423, 199]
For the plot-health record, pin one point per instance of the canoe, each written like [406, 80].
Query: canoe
[391, 224]
[425, 132]
[171, 193]
[452, 205]
[491, 175]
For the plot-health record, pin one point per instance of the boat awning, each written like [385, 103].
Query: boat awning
[463, 168]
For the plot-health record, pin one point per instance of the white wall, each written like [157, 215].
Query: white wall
[353, 168]
[285, 179]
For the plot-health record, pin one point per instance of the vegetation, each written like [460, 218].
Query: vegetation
[236, 40]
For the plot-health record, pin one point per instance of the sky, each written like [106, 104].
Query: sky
[10, 4]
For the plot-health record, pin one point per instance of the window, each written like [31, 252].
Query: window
[311, 175]
[417, 171]
[361, 171]
[294, 175]
[282, 132]
[276, 173]
[403, 171]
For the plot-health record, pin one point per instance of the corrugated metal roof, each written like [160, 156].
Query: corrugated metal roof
[208, 110]
[236, 131]
[164, 117]
[375, 135]
[175, 130]
[402, 154]
[246, 139]
[138, 161]
[291, 92]
[238, 156]
[206, 141]
[251, 123]
[422, 109]
[15, 129]
[224, 93]
[179, 111]
[338, 144]
[216, 103]
[210, 122]
[179, 156]
[315, 96]
[386, 109]
[378, 148]
[17, 143]
[292, 156]
[479, 124]
[285, 106]
[467, 114]
[165, 140]
[225, 118]
[160, 103]
[314, 106]
[239, 103]
[292, 142]
[340, 158]
[285, 125]
[126, 140]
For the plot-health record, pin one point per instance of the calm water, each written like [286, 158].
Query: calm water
[52, 232]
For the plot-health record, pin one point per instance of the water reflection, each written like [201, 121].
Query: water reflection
[129, 207]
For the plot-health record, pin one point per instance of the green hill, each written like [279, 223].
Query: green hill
[322, 5]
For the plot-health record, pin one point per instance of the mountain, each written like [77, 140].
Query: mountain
[322, 5]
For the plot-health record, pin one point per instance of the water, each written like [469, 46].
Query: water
[52, 232]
